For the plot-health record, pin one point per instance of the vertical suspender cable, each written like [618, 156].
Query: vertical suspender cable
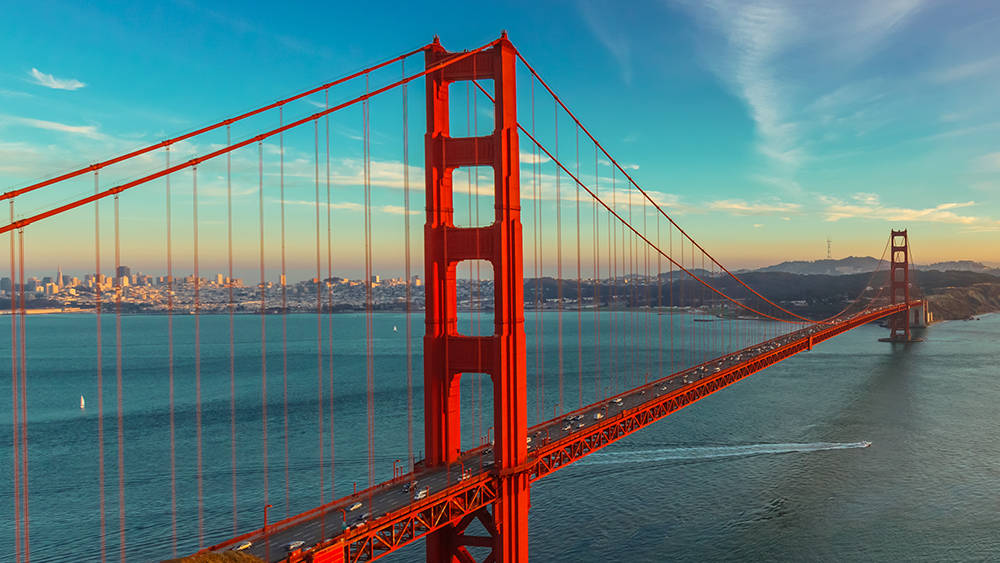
[170, 364]
[319, 324]
[370, 369]
[100, 364]
[407, 272]
[468, 192]
[659, 302]
[263, 320]
[26, 520]
[646, 301]
[197, 356]
[118, 384]
[15, 425]
[539, 267]
[284, 307]
[596, 284]
[632, 322]
[479, 310]
[559, 280]
[579, 280]
[232, 343]
[613, 255]
[683, 305]
[329, 290]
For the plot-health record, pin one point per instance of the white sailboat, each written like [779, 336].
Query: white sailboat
[83, 404]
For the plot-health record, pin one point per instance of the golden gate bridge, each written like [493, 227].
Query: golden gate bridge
[646, 320]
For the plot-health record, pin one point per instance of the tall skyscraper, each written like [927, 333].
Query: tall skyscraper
[59, 279]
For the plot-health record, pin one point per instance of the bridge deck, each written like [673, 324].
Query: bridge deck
[390, 518]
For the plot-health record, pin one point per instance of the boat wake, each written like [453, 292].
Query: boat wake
[713, 452]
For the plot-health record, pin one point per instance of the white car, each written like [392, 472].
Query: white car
[598, 415]
[292, 546]
[421, 494]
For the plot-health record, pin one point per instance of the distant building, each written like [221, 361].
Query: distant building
[376, 279]
[124, 272]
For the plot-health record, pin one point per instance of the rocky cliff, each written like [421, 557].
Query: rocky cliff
[952, 303]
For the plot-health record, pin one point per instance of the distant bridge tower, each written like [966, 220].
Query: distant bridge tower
[448, 354]
[899, 285]
[829, 250]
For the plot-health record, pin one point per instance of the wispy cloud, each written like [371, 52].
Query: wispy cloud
[397, 210]
[769, 51]
[353, 206]
[869, 206]
[528, 158]
[626, 166]
[755, 35]
[89, 131]
[988, 162]
[615, 42]
[740, 207]
[13, 93]
[49, 81]
[967, 69]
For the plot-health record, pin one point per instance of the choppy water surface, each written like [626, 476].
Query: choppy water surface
[773, 468]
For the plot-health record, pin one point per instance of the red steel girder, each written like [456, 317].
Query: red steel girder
[453, 506]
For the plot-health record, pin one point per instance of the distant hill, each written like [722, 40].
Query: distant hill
[862, 264]
[960, 266]
[844, 266]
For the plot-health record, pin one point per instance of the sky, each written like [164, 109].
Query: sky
[766, 127]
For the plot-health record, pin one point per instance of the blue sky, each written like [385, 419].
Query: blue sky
[766, 125]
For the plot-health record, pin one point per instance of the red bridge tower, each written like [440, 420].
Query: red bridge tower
[448, 354]
[899, 285]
